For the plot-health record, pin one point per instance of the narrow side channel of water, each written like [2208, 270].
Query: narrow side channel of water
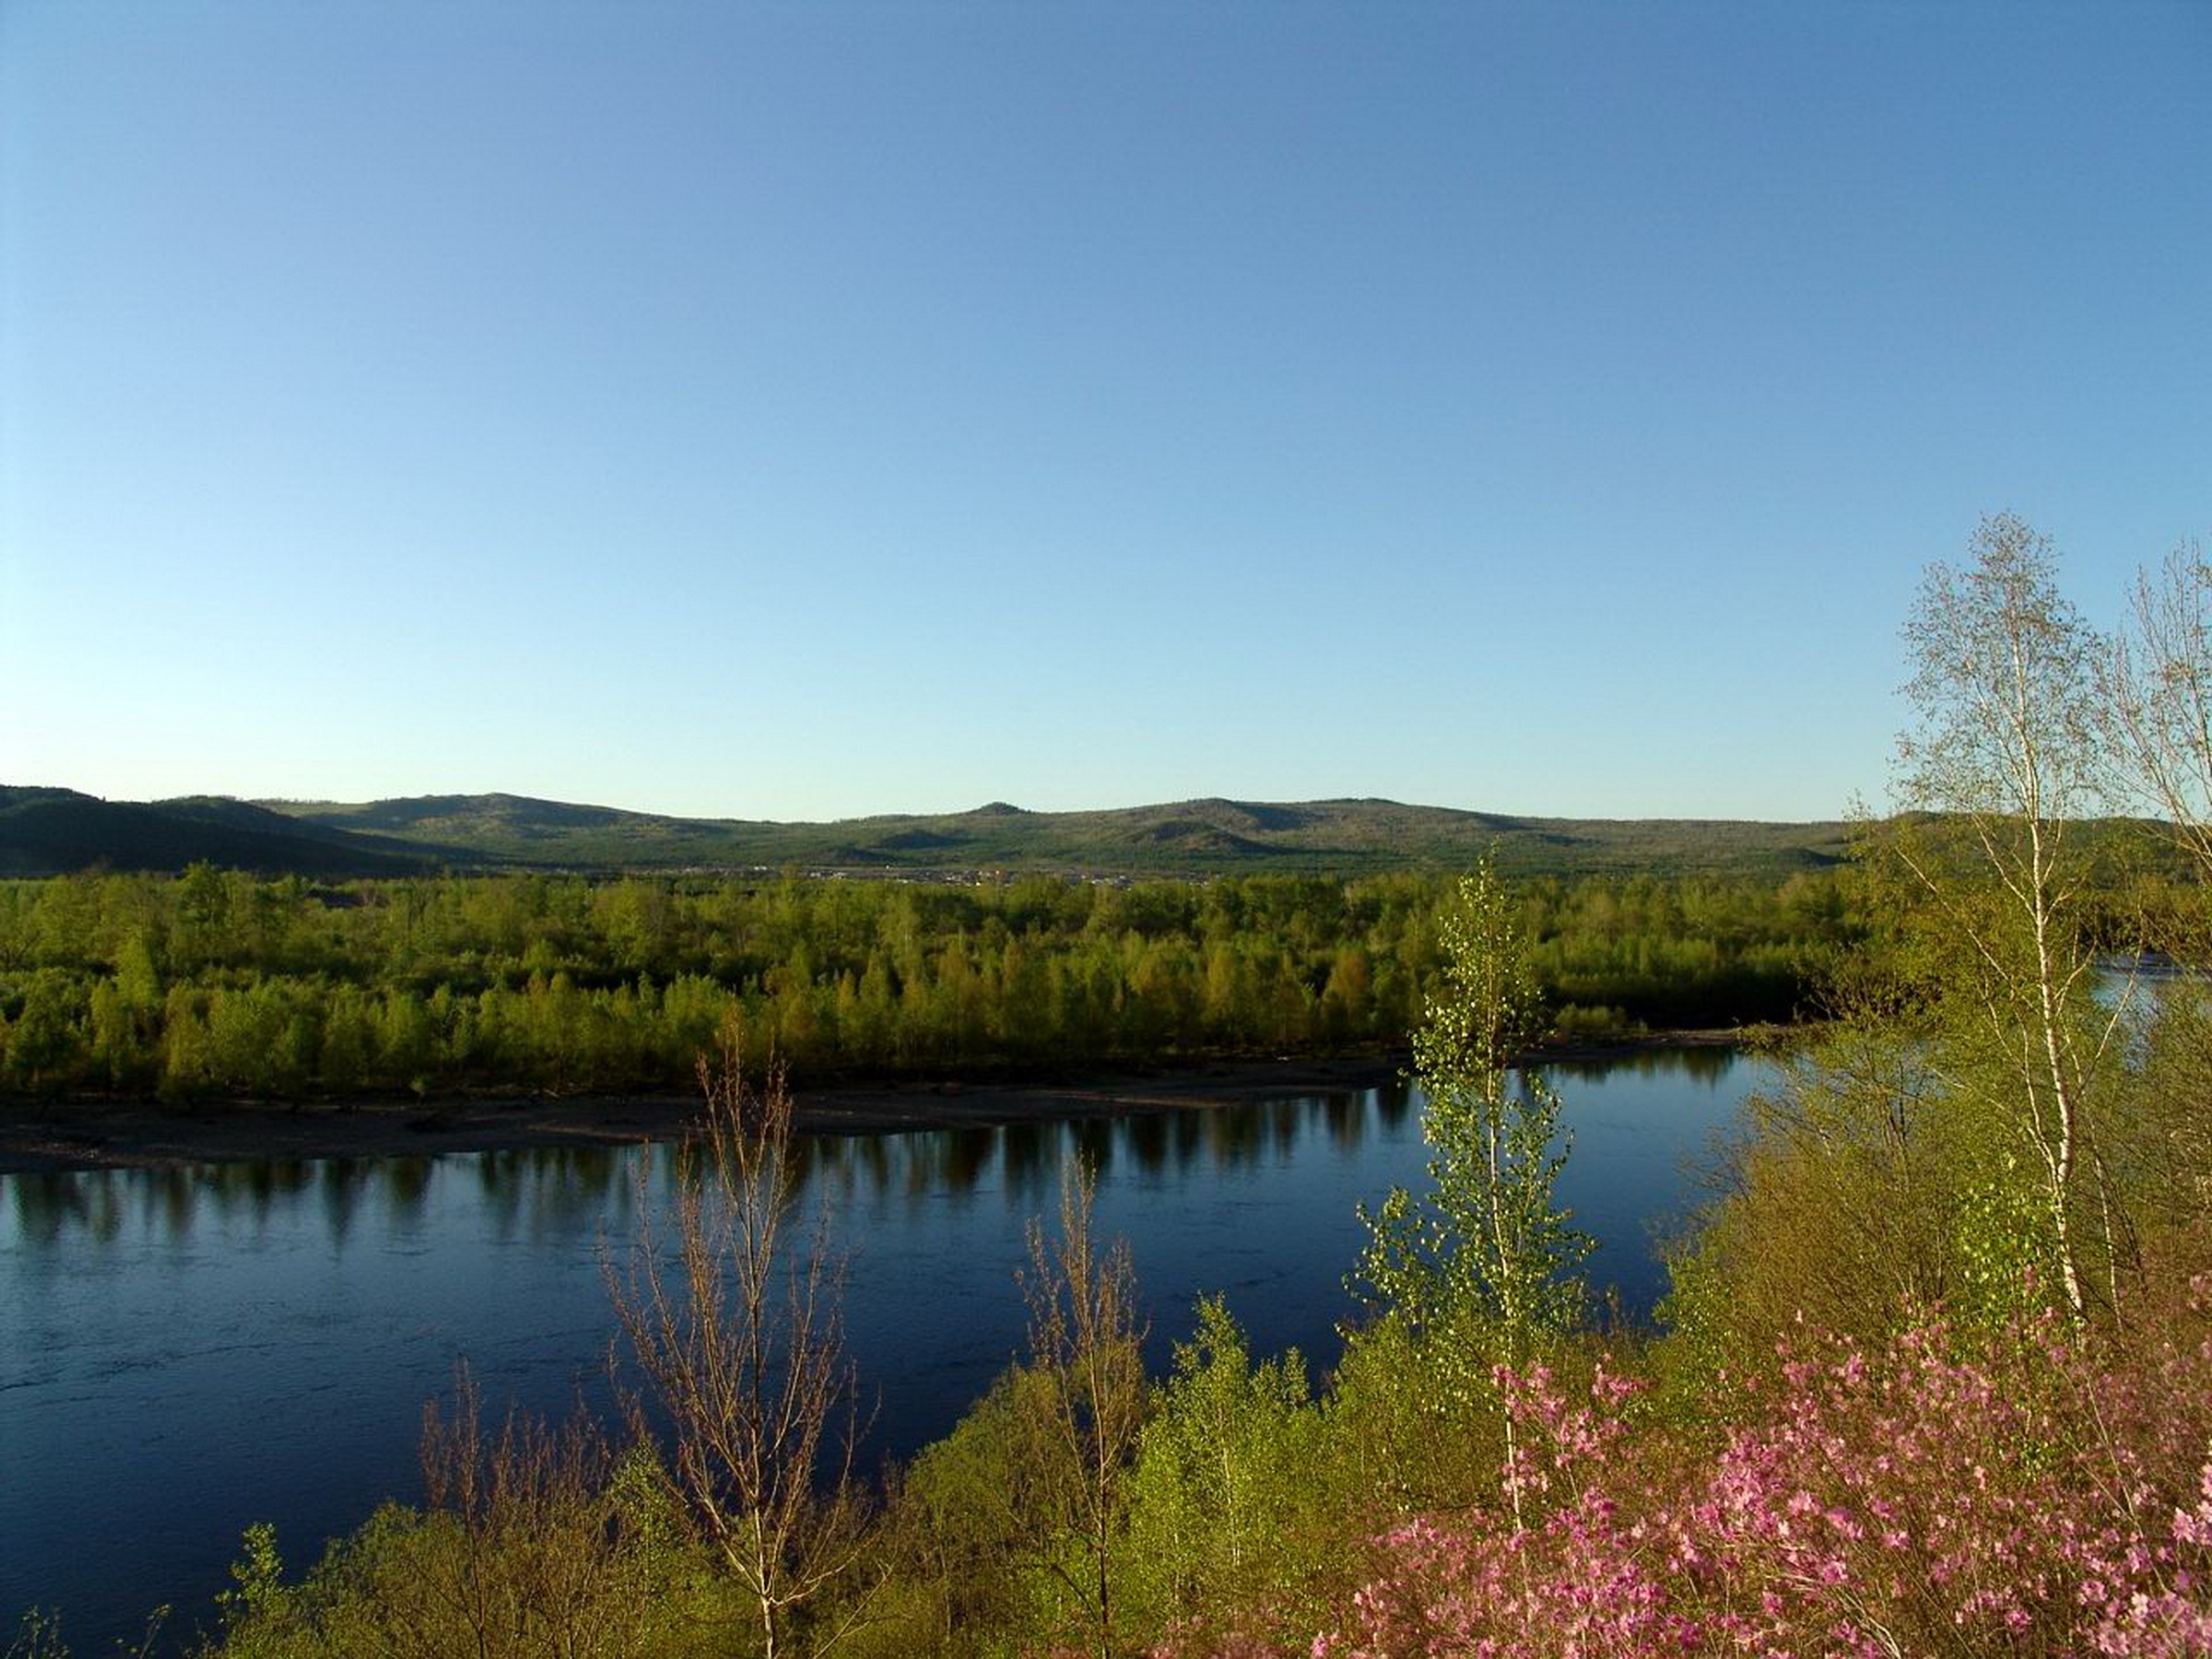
[184, 1352]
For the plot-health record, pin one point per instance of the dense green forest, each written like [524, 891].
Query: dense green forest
[220, 984]
[1935, 1375]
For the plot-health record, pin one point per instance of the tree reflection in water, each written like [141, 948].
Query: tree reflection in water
[534, 1193]
[541, 1194]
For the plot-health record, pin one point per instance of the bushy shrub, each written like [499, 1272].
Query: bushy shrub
[2010, 1494]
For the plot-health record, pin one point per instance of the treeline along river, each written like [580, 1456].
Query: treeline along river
[185, 1351]
[217, 985]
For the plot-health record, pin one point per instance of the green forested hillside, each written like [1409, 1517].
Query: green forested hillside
[1187, 838]
[54, 831]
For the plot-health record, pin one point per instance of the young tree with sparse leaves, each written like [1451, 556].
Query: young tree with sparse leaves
[740, 1339]
[1485, 1268]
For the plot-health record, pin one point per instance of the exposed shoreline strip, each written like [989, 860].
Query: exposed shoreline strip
[47, 1137]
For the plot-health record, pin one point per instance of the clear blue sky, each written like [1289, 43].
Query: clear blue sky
[801, 411]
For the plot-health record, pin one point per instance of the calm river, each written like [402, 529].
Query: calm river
[184, 1352]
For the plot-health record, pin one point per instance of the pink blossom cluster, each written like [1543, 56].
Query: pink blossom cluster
[1940, 1494]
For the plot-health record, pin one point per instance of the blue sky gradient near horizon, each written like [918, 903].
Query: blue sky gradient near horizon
[805, 411]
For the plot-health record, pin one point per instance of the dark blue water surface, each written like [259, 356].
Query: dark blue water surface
[184, 1352]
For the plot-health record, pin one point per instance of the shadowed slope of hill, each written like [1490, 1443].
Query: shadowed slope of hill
[1188, 838]
[54, 831]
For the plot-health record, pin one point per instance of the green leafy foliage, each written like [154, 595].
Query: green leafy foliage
[1230, 1507]
[219, 985]
[1484, 1266]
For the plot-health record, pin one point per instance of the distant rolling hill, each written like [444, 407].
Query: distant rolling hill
[1210, 837]
[54, 831]
[47, 831]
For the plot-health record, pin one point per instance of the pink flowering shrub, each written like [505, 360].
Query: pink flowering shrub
[1998, 1496]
